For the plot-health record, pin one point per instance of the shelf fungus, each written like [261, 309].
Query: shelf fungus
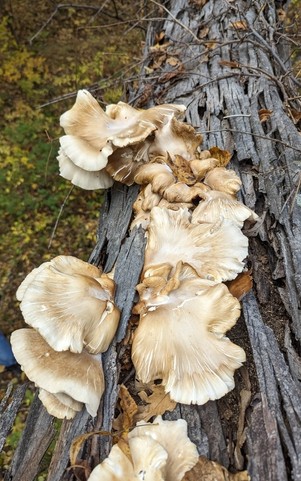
[181, 335]
[93, 134]
[158, 451]
[71, 304]
[67, 380]
[215, 250]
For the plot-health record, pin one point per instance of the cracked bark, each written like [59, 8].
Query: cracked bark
[223, 103]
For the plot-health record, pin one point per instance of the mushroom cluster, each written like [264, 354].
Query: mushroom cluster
[158, 451]
[189, 208]
[70, 305]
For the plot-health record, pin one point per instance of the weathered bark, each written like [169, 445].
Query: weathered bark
[226, 73]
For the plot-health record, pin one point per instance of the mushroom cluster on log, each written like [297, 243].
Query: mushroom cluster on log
[232, 62]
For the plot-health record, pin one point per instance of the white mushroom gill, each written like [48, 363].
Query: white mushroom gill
[71, 304]
[181, 337]
[78, 376]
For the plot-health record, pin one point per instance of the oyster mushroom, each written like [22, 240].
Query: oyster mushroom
[181, 336]
[63, 374]
[71, 304]
[216, 251]
[224, 180]
[159, 451]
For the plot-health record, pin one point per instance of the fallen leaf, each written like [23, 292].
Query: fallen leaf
[210, 45]
[169, 75]
[223, 156]
[228, 63]
[203, 32]
[199, 3]
[173, 61]
[264, 114]
[245, 399]
[157, 403]
[77, 442]
[159, 36]
[296, 115]
[181, 169]
[281, 14]
[129, 408]
[211, 471]
[239, 25]
[241, 285]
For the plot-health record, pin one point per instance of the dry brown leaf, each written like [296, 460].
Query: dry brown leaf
[79, 440]
[159, 47]
[2, 368]
[129, 408]
[203, 32]
[173, 61]
[157, 403]
[169, 75]
[211, 471]
[281, 14]
[199, 3]
[239, 25]
[264, 114]
[223, 156]
[296, 115]
[228, 63]
[159, 36]
[210, 45]
[241, 285]
[245, 399]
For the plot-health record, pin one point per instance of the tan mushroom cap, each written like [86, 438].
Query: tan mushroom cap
[180, 192]
[125, 162]
[71, 304]
[79, 376]
[81, 153]
[59, 405]
[224, 180]
[200, 167]
[172, 436]
[181, 339]
[176, 138]
[217, 205]
[121, 124]
[216, 251]
[85, 179]
[160, 176]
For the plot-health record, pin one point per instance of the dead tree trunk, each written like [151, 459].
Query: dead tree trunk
[228, 63]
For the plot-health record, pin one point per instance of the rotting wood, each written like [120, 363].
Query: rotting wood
[223, 103]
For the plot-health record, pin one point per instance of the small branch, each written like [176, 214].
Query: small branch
[264, 137]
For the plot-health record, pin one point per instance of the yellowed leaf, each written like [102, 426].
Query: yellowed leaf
[203, 32]
[239, 25]
[227, 63]
[223, 156]
[264, 114]
[157, 403]
[211, 471]
[241, 285]
[129, 408]
[79, 440]
[173, 61]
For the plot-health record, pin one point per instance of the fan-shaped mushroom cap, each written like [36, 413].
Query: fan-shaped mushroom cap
[217, 205]
[121, 124]
[176, 138]
[200, 167]
[215, 251]
[224, 180]
[181, 192]
[60, 405]
[125, 162]
[172, 436]
[148, 462]
[71, 304]
[85, 179]
[80, 376]
[160, 176]
[180, 339]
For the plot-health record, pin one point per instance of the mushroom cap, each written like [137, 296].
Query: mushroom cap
[121, 124]
[224, 180]
[59, 405]
[200, 167]
[180, 192]
[83, 155]
[176, 138]
[124, 162]
[148, 462]
[79, 376]
[172, 436]
[85, 179]
[160, 176]
[181, 339]
[217, 205]
[70, 303]
[216, 251]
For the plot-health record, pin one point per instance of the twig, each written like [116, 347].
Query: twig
[59, 216]
[264, 137]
